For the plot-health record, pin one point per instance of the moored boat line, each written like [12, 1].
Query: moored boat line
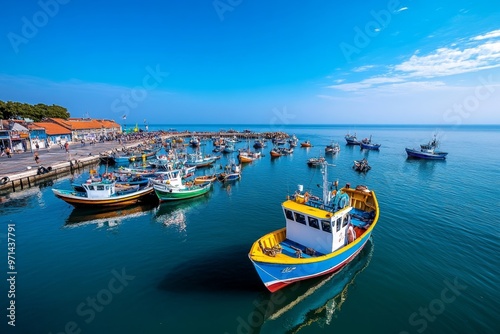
[19, 172]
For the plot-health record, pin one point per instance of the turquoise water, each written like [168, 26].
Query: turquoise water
[432, 265]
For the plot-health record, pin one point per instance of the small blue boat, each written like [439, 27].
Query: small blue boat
[232, 173]
[258, 143]
[427, 151]
[368, 145]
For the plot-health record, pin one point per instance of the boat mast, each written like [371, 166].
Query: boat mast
[326, 192]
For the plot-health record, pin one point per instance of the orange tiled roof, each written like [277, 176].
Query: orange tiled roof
[82, 124]
[61, 122]
[85, 123]
[53, 128]
[33, 126]
[108, 124]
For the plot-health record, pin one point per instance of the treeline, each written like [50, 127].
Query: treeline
[36, 112]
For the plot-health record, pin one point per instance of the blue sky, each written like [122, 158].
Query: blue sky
[256, 62]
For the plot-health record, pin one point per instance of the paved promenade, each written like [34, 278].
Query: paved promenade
[21, 162]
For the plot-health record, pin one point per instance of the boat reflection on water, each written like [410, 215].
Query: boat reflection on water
[174, 214]
[312, 301]
[108, 217]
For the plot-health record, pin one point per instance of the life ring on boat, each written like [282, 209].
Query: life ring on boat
[343, 200]
[306, 197]
[4, 180]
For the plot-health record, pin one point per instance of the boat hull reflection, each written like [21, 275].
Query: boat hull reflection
[109, 217]
[311, 301]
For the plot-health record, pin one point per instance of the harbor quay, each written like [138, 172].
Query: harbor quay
[23, 170]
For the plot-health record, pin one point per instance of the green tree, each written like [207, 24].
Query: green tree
[35, 112]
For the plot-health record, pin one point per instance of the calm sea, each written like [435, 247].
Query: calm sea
[432, 265]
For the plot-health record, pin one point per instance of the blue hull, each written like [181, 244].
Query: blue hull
[369, 146]
[275, 276]
[422, 155]
[351, 140]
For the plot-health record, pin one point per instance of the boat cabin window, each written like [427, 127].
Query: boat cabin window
[289, 214]
[325, 226]
[339, 221]
[346, 220]
[107, 187]
[299, 218]
[313, 222]
[91, 188]
[100, 187]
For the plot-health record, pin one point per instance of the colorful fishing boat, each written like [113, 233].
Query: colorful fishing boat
[167, 192]
[276, 152]
[103, 194]
[205, 178]
[306, 143]
[120, 180]
[232, 173]
[247, 156]
[320, 237]
[427, 151]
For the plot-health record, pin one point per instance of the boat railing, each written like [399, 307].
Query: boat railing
[311, 201]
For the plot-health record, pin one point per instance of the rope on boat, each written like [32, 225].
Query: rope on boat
[270, 251]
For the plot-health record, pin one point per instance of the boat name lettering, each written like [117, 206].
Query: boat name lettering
[288, 270]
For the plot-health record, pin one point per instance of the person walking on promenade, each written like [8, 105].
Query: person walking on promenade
[66, 146]
[37, 158]
[7, 151]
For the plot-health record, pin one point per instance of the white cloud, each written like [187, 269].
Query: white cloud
[451, 61]
[363, 68]
[367, 83]
[491, 34]
[401, 9]
[474, 54]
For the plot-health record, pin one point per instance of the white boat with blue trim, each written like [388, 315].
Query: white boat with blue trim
[321, 235]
